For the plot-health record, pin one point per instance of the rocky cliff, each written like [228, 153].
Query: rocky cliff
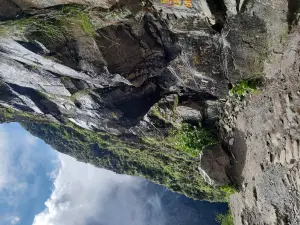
[268, 127]
[142, 87]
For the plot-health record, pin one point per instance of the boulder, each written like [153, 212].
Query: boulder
[189, 114]
[213, 164]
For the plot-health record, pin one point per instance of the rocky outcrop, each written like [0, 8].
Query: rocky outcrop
[214, 162]
[269, 176]
[113, 84]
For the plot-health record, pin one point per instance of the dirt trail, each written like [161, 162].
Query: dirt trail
[270, 124]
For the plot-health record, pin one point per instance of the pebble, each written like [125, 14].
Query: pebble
[231, 141]
[227, 128]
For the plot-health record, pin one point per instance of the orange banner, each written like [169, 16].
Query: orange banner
[178, 3]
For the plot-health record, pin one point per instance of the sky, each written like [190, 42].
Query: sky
[40, 186]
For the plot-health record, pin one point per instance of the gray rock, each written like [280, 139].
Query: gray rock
[252, 36]
[26, 4]
[8, 10]
[231, 141]
[231, 6]
[213, 109]
[189, 114]
[185, 9]
[214, 162]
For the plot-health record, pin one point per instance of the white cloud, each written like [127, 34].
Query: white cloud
[82, 194]
[12, 220]
[18, 168]
[85, 195]
[5, 158]
[10, 172]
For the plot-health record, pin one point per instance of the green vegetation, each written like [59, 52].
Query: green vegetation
[33, 24]
[3, 30]
[226, 219]
[229, 190]
[65, 79]
[192, 139]
[10, 115]
[79, 94]
[79, 15]
[242, 88]
[48, 27]
[115, 115]
[175, 105]
[160, 115]
[117, 14]
[176, 170]
[166, 114]
[54, 26]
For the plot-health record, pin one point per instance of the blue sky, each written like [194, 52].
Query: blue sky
[39, 186]
[26, 163]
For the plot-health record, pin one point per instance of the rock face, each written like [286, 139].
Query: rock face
[27, 4]
[270, 178]
[214, 162]
[112, 84]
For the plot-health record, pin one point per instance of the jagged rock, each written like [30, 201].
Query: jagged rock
[214, 162]
[213, 109]
[231, 141]
[231, 6]
[189, 114]
[267, 149]
[252, 36]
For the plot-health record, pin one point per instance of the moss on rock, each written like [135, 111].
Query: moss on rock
[163, 165]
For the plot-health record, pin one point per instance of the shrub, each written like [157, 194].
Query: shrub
[226, 219]
[192, 139]
[53, 27]
[243, 88]
[228, 190]
[78, 14]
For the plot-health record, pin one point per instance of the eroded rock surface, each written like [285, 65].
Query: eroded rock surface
[214, 163]
[270, 123]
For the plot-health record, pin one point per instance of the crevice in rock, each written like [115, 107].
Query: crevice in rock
[255, 193]
[294, 9]
[131, 100]
[41, 101]
[218, 9]
[238, 2]
[73, 85]
[62, 50]
[33, 47]
[244, 5]
[9, 97]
